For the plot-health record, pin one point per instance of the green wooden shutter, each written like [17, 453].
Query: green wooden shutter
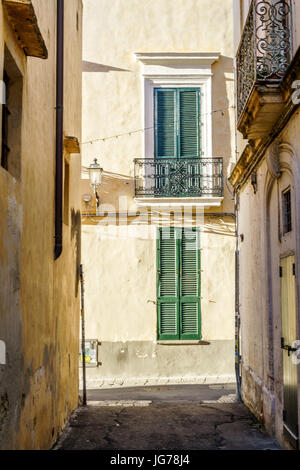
[178, 284]
[189, 123]
[177, 122]
[190, 327]
[167, 284]
[165, 123]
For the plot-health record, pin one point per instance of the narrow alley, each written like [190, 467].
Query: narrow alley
[185, 417]
[150, 226]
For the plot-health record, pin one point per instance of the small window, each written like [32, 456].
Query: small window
[287, 211]
[5, 115]
[12, 117]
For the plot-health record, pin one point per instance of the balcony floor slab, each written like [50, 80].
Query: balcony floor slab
[172, 203]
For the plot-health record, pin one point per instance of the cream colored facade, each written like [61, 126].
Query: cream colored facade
[265, 244]
[129, 49]
[39, 297]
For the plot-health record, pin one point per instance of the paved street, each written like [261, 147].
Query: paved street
[185, 417]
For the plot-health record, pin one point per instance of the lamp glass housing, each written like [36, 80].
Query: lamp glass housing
[95, 174]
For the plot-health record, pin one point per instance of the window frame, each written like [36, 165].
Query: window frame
[4, 131]
[175, 70]
[287, 225]
[12, 116]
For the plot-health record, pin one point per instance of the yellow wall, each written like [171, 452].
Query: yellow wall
[40, 298]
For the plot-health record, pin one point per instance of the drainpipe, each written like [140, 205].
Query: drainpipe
[59, 129]
[84, 402]
[237, 293]
[237, 297]
[237, 304]
[237, 261]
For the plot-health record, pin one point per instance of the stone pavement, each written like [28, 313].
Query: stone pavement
[184, 417]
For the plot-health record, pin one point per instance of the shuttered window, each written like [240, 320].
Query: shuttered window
[177, 123]
[178, 283]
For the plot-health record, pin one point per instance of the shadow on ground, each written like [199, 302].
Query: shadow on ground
[185, 417]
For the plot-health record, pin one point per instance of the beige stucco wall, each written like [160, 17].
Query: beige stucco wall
[120, 307]
[260, 252]
[120, 278]
[120, 263]
[112, 34]
[39, 298]
[260, 300]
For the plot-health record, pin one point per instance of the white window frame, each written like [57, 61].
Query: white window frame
[175, 70]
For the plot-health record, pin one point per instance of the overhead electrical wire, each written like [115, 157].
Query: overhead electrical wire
[103, 139]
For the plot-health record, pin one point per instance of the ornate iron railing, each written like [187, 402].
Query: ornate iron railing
[178, 177]
[265, 49]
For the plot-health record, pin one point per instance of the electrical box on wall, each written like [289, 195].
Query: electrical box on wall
[91, 353]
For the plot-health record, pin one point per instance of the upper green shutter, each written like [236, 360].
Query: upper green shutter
[177, 123]
[165, 123]
[189, 128]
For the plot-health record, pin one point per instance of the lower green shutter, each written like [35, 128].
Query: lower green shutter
[168, 288]
[178, 283]
[190, 284]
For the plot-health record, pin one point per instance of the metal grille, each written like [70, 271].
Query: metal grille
[266, 47]
[183, 177]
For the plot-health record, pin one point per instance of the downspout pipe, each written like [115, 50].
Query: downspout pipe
[237, 262]
[84, 400]
[59, 130]
[237, 306]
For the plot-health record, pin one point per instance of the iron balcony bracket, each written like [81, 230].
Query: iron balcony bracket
[288, 348]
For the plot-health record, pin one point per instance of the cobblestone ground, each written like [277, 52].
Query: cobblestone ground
[187, 417]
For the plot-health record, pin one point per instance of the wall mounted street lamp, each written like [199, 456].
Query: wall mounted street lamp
[95, 177]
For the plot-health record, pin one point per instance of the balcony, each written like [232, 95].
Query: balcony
[263, 58]
[173, 181]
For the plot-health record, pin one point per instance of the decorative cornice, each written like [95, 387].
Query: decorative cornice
[173, 58]
[171, 203]
[263, 107]
[273, 161]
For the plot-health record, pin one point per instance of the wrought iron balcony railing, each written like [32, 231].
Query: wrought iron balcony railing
[179, 177]
[265, 50]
